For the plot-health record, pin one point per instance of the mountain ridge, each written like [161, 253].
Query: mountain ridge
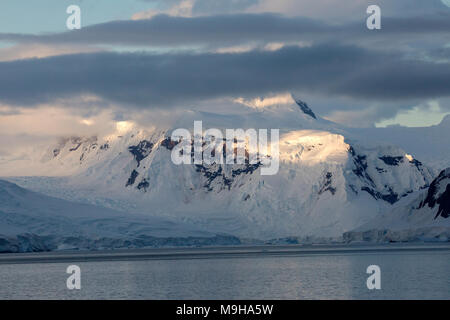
[327, 184]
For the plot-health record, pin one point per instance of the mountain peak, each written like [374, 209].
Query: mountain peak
[304, 107]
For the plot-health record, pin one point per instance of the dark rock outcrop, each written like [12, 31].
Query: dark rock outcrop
[391, 161]
[141, 151]
[304, 107]
[326, 184]
[132, 178]
[433, 198]
[144, 184]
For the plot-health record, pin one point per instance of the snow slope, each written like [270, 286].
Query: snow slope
[35, 222]
[426, 217]
[327, 183]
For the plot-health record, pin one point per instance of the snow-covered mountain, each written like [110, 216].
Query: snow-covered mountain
[34, 222]
[426, 217]
[329, 181]
[429, 144]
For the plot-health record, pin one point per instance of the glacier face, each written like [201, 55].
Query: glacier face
[34, 222]
[329, 181]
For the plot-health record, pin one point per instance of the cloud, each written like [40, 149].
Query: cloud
[261, 103]
[361, 118]
[347, 10]
[427, 114]
[177, 9]
[322, 9]
[48, 120]
[242, 29]
[164, 30]
[329, 55]
[202, 7]
[32, 50]
[179, 79]
[198, 7]
[44, 124]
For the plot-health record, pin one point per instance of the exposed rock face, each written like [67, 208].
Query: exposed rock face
[422, 219]
[168, 143]
[444, 204]
[439, 195]
[391, 161]
[104, 146]
[132, 178]
[372, 178]
[304, 107]
[141, 151]
[327, 184]
[143, 185]
[217, 175]
[360, 162]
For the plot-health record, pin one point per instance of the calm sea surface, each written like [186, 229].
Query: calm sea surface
[406, 274]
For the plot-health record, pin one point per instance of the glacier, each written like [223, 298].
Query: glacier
[35, 222]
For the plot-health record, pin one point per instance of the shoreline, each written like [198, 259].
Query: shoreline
[218, 252]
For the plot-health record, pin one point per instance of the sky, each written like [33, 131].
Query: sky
[135, 57]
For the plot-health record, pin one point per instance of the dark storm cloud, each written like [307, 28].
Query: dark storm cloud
[235, 29]
[151, 80]
[163, 30]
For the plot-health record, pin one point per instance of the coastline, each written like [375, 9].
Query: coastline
[217, 252]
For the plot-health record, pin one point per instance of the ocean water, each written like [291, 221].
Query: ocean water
[404, 275]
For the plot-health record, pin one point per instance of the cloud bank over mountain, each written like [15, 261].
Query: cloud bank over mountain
[180, 55]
